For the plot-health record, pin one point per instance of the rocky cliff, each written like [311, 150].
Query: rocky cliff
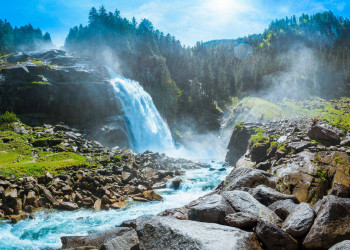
[52, 87]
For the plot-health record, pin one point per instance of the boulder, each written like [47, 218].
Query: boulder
[175, 183]
[267, 196]
[245, 221]
[258, 152]
[299, 146]
[19, 57]
[152, 196]
[212, 208]
[331, 224]
[169, 233]
[283, 208]
[321, 133]
[126, 241]
[341, 180]
[274, 237]
[300, 220]
[94, 240]
[10, 193]
[248, 177]
[344, 245]
[18, 217]
[345, 142]
[242, 201]
[97, 205]
[68, 205]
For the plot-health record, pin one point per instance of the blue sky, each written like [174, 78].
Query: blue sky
[188, 20]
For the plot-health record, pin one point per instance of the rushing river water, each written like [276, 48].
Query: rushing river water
[45, 230]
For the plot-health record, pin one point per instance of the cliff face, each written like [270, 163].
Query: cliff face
[51, 87]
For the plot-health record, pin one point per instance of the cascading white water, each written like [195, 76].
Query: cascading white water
[149, 131]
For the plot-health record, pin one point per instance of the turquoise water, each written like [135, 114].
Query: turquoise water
[45, 230]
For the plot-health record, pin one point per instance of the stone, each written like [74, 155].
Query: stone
[242, 220]
[321, 133]
[242, 201]
[344, 245]
[248, 177]
[169, 233]
[68, 205]
[97, 205]
[18, 217]
[331, 224]
[299, 146]
[126, 176]
[10, 193]
[126, 241]
[48, 196]
[152, 196]
[267, 196]
[341, 180]
[299, 221]
[95, 240]
[283, 208]
[119, 204]
[345, 142]
[175, 183]
[258, 152]
[212, 208]
[274, 237]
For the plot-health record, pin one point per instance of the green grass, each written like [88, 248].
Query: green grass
[338, 159]
[8, 117]
[18, 157]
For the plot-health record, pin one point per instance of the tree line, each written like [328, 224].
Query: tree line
[24, 38]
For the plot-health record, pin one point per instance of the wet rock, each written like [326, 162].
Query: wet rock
[159, 185]
[97, 205]
[94, 240]
[321, 133]
[118, 205]
[345, 142]
[344, 245]
[152, 196]
[331, 224]
[18, 217]
[175, 183]
[274, 237]
[263, 165]
[19, 57]
[283, 208]
[267, 196]
[242, 201]
[258, 152]
[128, 240]
[241, 220]
[169, 233]
[300, 220]
[247, 177]
[212, 208]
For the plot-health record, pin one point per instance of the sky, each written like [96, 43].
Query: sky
[188, 20]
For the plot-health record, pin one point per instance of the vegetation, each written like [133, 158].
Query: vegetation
[302, 55]
[8, 117]
[24, 38]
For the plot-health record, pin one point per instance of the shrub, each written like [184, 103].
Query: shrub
[8, 117]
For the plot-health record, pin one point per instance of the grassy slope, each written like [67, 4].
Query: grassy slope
[18, 157]
[253, 109]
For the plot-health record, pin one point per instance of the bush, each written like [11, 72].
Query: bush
[8, 117]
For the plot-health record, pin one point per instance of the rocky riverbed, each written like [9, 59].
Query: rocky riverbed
[289, 190]
[104, 178]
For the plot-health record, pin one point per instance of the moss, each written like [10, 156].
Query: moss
[338, 159]
[259, 139]
[321, 174]
[273, 147]
[40, 82]
[282, 147]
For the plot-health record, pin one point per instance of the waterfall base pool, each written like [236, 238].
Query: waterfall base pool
[45, 230]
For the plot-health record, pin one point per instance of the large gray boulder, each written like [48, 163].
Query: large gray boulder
[94, 240]
[267, 196]
[344, 245]
[274, 237]
[242, 201]
[248, 177]
[126, 241]
[321, 133]
[283, 208]
[169, 233]
[213, 208]
[299, 222]
[331, 224]
[245, 221]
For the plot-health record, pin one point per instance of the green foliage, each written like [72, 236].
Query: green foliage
[273, 147]
[259, 139]
[338, 159]
[8, 117]
[322, 174]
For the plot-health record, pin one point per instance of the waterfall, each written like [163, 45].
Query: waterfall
[148, 130]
